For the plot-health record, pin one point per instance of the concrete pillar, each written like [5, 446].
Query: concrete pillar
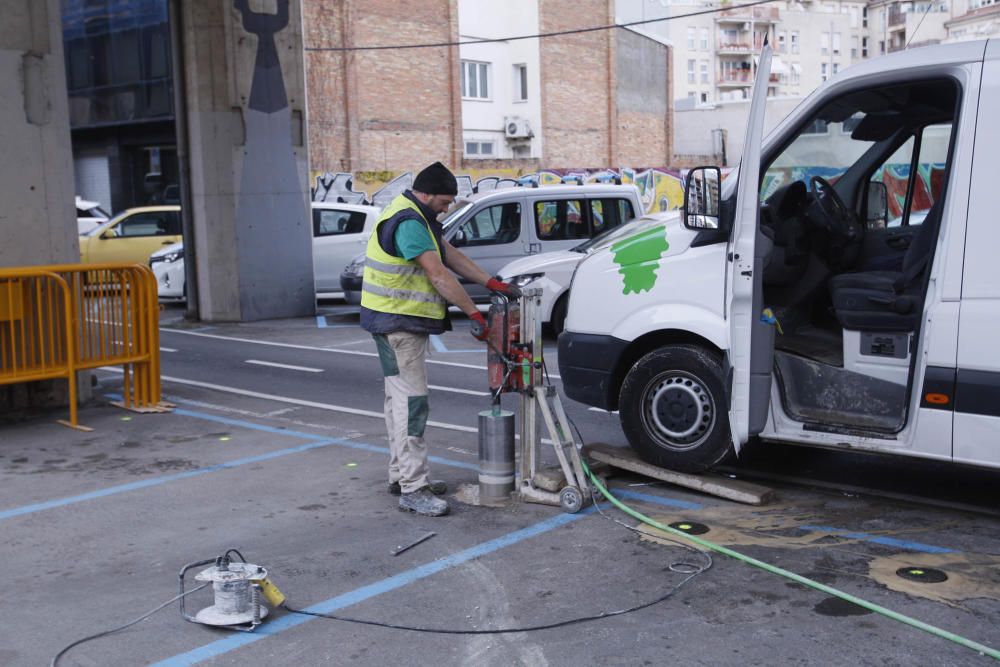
[245, 113]
[37, 220]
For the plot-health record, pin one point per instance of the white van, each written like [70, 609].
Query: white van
[839, 290]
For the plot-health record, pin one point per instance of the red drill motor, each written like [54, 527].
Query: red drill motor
[508, 360]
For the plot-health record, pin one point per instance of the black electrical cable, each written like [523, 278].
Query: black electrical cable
[692, 570]
[234, 551]
[500, 631]
[127, 625]
[540, 35]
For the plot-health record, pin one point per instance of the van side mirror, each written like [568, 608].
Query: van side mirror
[459, 239]
[877, 205]
[702, 198]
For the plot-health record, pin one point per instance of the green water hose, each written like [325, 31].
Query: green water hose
[896, 616]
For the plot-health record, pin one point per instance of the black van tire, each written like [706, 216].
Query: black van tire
[557, 321]
[673, 408]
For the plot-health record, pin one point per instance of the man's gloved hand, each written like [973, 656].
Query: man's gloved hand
[494, 284]
[480, 330]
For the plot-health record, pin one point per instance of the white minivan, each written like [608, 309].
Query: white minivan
[840, 290]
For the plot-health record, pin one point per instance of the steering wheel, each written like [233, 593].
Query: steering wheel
[840, 219]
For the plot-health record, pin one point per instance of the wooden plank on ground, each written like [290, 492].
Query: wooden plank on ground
[723, 487]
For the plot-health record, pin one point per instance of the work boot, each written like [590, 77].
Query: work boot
[422, 501]
[437, 486]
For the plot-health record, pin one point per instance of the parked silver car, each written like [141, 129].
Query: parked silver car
[494, 228]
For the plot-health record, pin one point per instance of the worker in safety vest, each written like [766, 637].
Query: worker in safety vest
[404, 300]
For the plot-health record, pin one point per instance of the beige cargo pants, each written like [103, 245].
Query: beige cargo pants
[403, 357]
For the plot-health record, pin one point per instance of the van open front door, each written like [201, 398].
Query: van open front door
[751, 341]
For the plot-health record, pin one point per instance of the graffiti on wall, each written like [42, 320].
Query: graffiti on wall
[661, 188]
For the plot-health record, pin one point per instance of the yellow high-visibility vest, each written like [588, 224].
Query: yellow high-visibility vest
[396, 285]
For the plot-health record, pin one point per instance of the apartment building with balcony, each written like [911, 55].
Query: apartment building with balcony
[894, 25]
[714, 54]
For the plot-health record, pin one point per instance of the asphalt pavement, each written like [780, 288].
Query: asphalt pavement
[277, 448]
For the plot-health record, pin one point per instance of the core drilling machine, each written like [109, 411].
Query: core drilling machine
[516, 364]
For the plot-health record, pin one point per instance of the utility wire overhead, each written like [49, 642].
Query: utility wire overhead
[575, 31]
[914, 33]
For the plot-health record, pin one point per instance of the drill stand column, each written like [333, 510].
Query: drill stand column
[538, 397]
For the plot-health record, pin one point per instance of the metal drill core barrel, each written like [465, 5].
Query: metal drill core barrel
[496, 456]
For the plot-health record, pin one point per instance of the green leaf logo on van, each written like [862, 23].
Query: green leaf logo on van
[639, 257]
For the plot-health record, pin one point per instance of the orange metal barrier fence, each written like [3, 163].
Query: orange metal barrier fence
[58, 320]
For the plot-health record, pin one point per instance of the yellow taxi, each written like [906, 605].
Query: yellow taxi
[132, 235]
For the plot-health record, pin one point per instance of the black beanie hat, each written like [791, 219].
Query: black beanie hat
[436, 180]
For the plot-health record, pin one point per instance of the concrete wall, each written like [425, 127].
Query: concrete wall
[693, 129]
[37, 220]
[643, 99]
[389, 109]
[245, 113]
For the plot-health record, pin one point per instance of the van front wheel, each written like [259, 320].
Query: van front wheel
[673, 408]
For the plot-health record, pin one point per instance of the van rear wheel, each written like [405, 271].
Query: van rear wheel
[673, 410]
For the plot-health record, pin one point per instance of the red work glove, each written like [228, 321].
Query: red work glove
[480, 330]
[494, 284]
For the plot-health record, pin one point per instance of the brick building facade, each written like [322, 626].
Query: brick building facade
[604, 93]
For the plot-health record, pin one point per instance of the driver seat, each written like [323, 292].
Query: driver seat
[888, 300]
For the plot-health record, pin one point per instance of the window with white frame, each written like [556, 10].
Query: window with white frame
[704, 71]
[794, 37]
[854, 46]
[824, 73]
[864, 47]
[475, 80]
[690, 71]
[520, 83]
[796, 74]
[690, 32]
[476, 148]
[824, 43]
[782, 38]
[836, 42]
[704, 39]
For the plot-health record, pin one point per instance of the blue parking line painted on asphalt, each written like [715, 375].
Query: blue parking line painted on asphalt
[273, 627]
[156, 481]
[317, 441]
[877, 539]
[321, 323]
[658, 500]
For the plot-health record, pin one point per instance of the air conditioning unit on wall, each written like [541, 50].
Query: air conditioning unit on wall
[515, 127]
